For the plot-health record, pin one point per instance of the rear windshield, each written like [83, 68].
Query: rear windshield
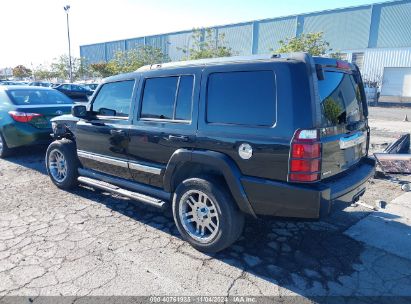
[38, 97]
[340, 99]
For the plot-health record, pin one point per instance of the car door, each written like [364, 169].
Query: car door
[66, 89]
[102, 142]
[80, 92]
[75, 92]
[166, 120]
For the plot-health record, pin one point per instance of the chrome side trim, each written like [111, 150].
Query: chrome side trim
[102, 159]
[119, 162]
[348, 142]
[143, 168]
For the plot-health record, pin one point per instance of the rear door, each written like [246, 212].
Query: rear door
[66, 89]
[102, 141]
[166, 120]
[345, 132]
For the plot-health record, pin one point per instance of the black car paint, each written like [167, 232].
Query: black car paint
[76, 92]
[258, 185]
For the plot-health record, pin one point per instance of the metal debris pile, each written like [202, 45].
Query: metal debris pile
[396, 158]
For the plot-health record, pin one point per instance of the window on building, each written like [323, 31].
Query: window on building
[242, 98]
[168, 98]
[114, 99]
[358, 59]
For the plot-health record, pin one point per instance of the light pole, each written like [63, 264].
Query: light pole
[66, 9]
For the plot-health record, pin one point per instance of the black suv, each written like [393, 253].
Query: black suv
[222, 138]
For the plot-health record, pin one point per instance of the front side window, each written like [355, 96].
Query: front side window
[114, 99]
[242, 98]
[168, 98]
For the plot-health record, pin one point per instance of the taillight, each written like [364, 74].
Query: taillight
[305, 156]
[22, 116]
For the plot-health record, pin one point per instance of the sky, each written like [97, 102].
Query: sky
[34, 32]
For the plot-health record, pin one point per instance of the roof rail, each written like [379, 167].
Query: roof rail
[219, 60]
[296, 56]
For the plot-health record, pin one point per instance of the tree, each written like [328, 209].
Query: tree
[129, 61]
[21, 71]
[60, 67]
[205, 44]
[43, 73]
[101, 69]
[150, 55]
[81, 69]
[312, 43]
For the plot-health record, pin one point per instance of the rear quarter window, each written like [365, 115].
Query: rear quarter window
[242, 98]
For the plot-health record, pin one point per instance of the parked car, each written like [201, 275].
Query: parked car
[219, 139]
[9, 83]
[75, 91]
[91, 86]
[40, 84]
[25, 114]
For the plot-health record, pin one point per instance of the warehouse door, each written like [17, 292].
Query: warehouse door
[396, 82]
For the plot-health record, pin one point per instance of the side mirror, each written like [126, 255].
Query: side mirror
[79, 111]
[107, 112]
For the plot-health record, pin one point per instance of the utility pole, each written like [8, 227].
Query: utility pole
[66, 9]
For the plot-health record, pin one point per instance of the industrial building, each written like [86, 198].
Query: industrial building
[376, 37]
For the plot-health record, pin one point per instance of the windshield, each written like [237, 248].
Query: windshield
[38, 97]
[340, 99]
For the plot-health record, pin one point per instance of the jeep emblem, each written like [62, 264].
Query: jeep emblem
[245, 151]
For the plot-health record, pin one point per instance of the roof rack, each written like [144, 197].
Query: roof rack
[219, 60]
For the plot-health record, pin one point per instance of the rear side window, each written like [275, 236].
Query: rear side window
[114, 96]
[168, 98]
[340, 99]
[242, 98]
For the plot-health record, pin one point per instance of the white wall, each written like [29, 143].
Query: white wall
[375, 60]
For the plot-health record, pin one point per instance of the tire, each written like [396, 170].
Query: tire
[220, 208]
[4, 149]
[67, 149]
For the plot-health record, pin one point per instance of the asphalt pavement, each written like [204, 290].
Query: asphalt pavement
[87, 243]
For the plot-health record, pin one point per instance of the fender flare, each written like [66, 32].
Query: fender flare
[217, 160]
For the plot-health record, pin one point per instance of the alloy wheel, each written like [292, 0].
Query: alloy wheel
[57, 165]
[198, 215]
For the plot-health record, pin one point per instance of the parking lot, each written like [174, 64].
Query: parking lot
[86, 242]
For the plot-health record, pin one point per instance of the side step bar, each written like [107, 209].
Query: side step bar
[152, 201]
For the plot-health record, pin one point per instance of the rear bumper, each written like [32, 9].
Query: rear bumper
[20, 134]
[308, 200]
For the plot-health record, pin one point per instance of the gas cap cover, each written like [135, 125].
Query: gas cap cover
[245, 151]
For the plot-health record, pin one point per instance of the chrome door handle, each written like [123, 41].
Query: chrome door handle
[117, 132]
[178, 138]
